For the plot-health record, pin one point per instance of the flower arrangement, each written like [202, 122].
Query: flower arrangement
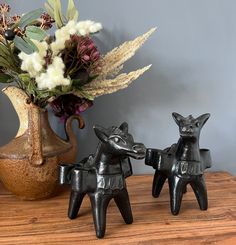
[65, 70]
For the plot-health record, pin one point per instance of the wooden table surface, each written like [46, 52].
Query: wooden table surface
[46, 222]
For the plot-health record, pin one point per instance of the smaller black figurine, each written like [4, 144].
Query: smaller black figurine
[102, 176]
[182, 163]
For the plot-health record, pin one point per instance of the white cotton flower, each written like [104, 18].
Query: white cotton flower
[87, 27]
[71, 27]
[57, 46]
[32, 63]
[42, 47]
[62, 35]
[54, 76]
[81, 28]
[95, 27]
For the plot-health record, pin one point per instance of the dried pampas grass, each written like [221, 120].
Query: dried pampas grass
[109, 80]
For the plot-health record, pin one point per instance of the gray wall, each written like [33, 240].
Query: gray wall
[194, 71]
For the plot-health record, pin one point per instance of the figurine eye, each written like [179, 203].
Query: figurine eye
[116, 139]
[197, 124]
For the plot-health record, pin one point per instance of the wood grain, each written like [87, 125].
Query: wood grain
[46, 222]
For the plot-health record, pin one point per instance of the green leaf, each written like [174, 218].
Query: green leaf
[58, 13]
[34, 32]
[49, 9]
[76, 83]
[4, 63]
[90, 79]
[30, 17]
[85, 95]
[4, 50]
[51, 2]
[25, 45]
[4, 78]
[72, 13]
[25, 78]
[5, 53]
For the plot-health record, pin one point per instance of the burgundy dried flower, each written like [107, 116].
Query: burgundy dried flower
[81, 56]
[87, 50]
[46, 21]
[69, 104]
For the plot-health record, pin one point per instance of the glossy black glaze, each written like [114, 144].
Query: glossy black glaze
[102, 176]
[182, 163]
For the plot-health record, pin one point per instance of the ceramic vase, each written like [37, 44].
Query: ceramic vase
[29, 162]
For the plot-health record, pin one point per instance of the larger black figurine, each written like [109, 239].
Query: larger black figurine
[182, 163]
[102, 176]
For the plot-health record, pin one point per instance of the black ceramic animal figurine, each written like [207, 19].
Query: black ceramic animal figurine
[102, 176]
[182, 163]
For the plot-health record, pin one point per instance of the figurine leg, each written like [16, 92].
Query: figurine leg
[176, 186]
[122, 202]
[75, 203]
[199, 188]
[185, 189]
[99, 204]
[158, 182]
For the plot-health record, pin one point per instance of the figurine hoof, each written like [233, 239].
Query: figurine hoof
[100, 234]
[175, 212]
[72, 216]
[129, 221]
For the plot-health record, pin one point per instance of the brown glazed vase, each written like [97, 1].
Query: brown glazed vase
[29, 163]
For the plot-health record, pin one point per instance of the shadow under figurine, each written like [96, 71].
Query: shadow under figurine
[102, 176]
[182, 163]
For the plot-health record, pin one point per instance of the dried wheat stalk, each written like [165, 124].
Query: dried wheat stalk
[109, 86]
[116, 57]
[109, 81]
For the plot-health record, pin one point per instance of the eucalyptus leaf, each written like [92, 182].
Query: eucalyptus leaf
[4, 78]
[72, 13]
[36, 33]
[25, 45]
[30, 17]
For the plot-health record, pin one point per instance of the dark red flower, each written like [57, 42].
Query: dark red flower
[81, 55]
[46, 21]
[69, 104]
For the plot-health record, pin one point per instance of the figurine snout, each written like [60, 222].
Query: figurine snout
[139, 150]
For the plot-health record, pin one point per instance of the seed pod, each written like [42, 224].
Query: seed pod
[9, 35]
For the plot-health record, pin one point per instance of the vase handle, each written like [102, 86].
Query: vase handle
[35, 136]
[69, 131]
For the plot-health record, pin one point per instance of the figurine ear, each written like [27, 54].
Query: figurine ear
[124, 127]
[203, 118]
[177, 117]
[101, 133]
